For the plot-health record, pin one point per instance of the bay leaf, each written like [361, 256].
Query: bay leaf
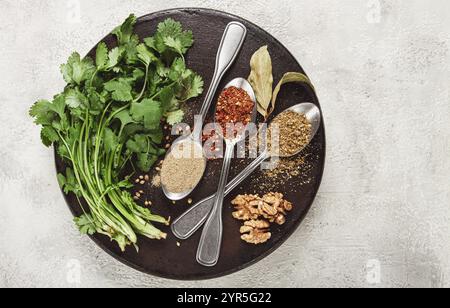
[261, 79]
[291, 77]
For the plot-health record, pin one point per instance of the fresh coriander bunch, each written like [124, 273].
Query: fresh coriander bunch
[109, 115]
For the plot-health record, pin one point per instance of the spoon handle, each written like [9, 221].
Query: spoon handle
[188, 223]
[232, 41]
[211, 241]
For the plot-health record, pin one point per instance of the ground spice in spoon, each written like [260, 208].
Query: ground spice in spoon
[182, 169]
[294, 132]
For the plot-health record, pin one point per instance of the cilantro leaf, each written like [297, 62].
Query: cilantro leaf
[85, 224]
[187, 40]
[177, 69]
[156, 136]
[147, 154]
[149, 112]
[170, 27]
[75, 99]
[114, 57]
[96, 101]
[151, 43]
[138, 74]
[170, 36]
[59, 106]
[141, 143]
[105, 59]
[127, 41]
[61, 180]
[49, 136]
[68, 182]
[145, 161]
[145, 55]
[162, 70]
[191, 87]
[120, 90]
[174, 43]
[168, 99]
[75, 71]
[124, 32]
[124, 118]
[138, 144]
[130, 51]
[42, 112]
[132, 129]
[178, 44]
[175, 117]
[174, 37]
[101, 58]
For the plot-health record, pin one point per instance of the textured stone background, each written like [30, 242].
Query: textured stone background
[381, 69]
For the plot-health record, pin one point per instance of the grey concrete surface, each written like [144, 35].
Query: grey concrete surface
[381, 69]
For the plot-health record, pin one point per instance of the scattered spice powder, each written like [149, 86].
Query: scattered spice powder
[287, 167]
[295, 170]
[234, 106]
[156, 181]
[294, 131]
[182, 171]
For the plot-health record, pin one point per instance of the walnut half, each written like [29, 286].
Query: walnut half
[255, 232]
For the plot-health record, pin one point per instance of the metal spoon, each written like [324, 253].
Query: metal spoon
[209, 247]
[232, 41]
[188, 223]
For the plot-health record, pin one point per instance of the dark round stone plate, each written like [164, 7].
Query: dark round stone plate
[168, 259]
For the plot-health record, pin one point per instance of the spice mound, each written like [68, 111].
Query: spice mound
[257, 214]
[183, 168]
[293, 134]
[234, 107]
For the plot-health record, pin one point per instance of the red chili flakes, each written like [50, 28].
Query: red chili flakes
[234, 106]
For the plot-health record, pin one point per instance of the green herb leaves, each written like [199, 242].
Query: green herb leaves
[192, 86]
[144, 147]
[74, 98]
[110, 114]
[105, 59]
[175, 117]
[120, 90]
[75, 71]
[171, 37]
[149, 112]
[42, 112]
[127, 41]
[145, 55]
[85, 224]
[49, 136]
[124, 32]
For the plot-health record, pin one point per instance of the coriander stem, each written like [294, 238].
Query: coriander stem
[145, 84]
[160, 91]
[93, 76]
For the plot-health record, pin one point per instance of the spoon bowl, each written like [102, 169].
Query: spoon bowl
[312, 114]
[243, 84]
[198, 153]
